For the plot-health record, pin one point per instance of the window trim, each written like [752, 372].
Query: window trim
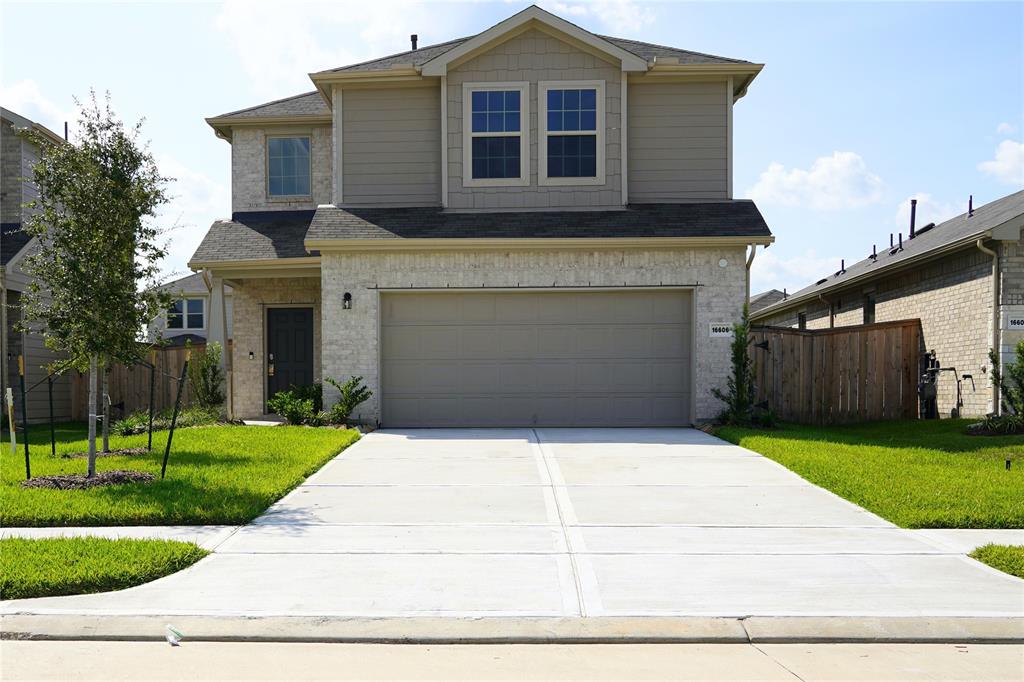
[184, 314]
[467, 134]
[266, 166]
[542, 126]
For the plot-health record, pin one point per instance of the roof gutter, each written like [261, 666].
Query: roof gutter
[996, 345]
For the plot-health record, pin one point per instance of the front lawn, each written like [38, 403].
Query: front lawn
[216, 475]
[51, 567]
[917, 474]
[1006, 558]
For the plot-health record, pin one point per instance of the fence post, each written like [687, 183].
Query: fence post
[53, 433]
[152, 396]
[174, 417]
[24, 414]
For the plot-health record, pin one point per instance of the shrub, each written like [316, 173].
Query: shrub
[1010, 379]
[997, 425]
[138, 422]
[293, 408]
[353, 394]
[205, 376]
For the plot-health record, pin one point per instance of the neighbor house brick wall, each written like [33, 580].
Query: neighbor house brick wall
[351, 338]
[249, 168]
[1011, 296]
[953, 299]
[251, 298]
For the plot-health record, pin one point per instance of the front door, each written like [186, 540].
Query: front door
[289, 348]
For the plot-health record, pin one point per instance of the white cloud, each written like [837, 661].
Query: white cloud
[279, 48]
[25, 97]
[833, 182]
[1008, 166]
[1005, 128]
[770, 271]
[196, 200]
[620, 15]
[929, 210]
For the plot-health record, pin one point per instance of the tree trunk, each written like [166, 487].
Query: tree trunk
[106, 410]
[92, 415]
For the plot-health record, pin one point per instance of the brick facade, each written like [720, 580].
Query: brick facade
[249, 168]
[351, 342]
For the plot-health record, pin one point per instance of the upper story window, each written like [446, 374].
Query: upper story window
[187, 313]
[869, 308]
[288, 166]
[495, 137]
[572, 133]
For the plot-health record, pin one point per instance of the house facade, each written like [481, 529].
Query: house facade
[963, 279]
[17, 156]
[188, 317]
[530, 226]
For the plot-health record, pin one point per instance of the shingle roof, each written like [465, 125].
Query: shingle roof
[959, 229]
[255, 235]
[12, 240]
[764, 299]
[710, 219]
[189, 284]
[306, 104]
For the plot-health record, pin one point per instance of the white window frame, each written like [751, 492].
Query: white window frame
[184, 314]
[542, 126]
[524, 135]
[266, 165]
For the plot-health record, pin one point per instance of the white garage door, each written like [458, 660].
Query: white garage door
[539, 358]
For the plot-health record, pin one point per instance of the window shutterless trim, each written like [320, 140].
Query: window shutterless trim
[544, 133]
[184, 314]
[524, 135]
[266, 166]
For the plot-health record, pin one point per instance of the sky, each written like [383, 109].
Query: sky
[860, 107]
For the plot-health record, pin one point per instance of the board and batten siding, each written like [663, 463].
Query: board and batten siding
[391, 146]
[678, 142]
[535, 56]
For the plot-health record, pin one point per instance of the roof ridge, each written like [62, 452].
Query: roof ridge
[267, 104]
[670, 47]
[399, 54]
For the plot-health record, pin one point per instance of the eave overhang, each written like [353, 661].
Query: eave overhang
[567, 243]
[222, 125]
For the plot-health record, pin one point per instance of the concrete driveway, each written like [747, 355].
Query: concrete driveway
[564, 522]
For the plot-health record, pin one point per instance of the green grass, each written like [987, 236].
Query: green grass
[917, 474]
[1006, 558]
[215, 475]
[51, 567]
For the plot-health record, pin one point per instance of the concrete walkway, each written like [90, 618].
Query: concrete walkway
[564, 523]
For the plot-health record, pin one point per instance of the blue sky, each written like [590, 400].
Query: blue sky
[860, 105]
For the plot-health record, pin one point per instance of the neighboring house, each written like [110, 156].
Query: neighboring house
[764, 299]
[17, 156]
[189, 314]
[530, 226]
[964, 279]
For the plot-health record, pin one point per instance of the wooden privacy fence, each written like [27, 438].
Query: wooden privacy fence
[130, 385]
[844, 374]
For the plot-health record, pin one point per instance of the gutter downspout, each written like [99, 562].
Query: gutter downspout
[750, 260]
[995, 315]
[831, 317]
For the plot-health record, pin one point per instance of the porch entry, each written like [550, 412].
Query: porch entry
[289, 348]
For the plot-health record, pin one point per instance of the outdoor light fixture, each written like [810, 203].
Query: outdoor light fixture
[346, 301]
[252, 356]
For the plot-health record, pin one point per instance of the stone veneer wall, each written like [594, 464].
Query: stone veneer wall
[249, 168]
[251, 299]
[953, 299]
[351, 343]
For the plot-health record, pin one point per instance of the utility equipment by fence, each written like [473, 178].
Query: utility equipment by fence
[838, 375]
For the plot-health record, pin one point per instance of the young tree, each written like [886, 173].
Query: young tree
[739, 394]
[96, 265]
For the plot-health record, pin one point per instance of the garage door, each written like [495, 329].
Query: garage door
[549, 358]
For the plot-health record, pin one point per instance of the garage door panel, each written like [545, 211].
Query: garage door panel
[536, 358]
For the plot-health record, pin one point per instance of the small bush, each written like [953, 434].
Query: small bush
[353, 394]
[293, 408]
[138, 422]
[997, 425]
[205, 376]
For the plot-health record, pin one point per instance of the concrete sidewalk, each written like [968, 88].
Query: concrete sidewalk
[573, 525]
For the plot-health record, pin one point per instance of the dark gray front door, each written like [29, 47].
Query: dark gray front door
[289, 348]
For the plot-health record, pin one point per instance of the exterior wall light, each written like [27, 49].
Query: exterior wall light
[346, 301]
[252, 356]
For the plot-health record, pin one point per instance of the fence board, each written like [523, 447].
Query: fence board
[845, 374]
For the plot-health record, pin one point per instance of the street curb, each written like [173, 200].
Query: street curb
[506, 630]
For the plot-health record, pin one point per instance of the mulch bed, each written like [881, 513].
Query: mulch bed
[82, 482]
[124, 452]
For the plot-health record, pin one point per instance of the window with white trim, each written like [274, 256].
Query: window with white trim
[187, 313]
[571, 133]
[495, 137]
[288, 166]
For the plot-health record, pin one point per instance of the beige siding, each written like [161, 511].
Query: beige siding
[535, 56]
[678, 141]
[249, 168]
[391, 141]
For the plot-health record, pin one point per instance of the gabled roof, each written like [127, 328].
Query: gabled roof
[189, 284]
[999, 219]
[764, 299]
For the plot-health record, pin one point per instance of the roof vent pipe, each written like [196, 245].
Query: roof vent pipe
[901, 241]
[414, 39]
[913, 216]
[970, 206]
[890, 240]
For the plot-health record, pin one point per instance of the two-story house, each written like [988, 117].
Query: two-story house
[534, 225]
